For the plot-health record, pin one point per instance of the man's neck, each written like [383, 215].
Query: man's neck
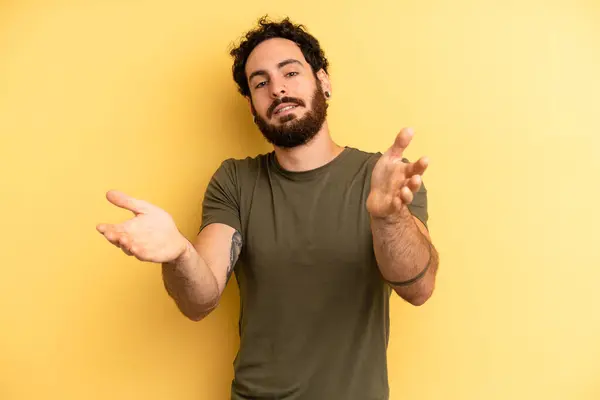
[318, 152]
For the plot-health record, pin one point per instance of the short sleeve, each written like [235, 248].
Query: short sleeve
[418, 207]
[221, 199]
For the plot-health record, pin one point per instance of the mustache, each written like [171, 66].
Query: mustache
[291, 100]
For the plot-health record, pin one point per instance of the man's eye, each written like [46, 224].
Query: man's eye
[261, 84]
[292, 74]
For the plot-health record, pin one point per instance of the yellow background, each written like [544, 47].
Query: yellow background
[138, 96]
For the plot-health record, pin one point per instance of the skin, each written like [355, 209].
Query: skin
[196, 273]
[270, 80]
[403, 248]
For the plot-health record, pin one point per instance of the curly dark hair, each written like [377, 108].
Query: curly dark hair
[267, 29]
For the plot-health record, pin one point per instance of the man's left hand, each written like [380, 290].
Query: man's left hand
[393, 181]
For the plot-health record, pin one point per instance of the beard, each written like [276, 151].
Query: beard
[294, 131]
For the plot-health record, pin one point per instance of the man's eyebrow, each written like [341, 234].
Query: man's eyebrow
[257, 73]
[279, 65]
[288, 61]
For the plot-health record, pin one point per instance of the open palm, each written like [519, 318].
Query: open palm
[394, 181]
[151, 235]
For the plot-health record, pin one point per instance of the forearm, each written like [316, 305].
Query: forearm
[406, 258]
[192, 284]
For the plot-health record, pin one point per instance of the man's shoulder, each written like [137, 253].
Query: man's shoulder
[245, 162]
[239, 169]
[371, 156]
[361, 156]
[363, 153]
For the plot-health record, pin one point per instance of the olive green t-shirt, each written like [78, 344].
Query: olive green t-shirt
[314, 321]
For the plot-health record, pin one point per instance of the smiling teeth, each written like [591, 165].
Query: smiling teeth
[285, 109]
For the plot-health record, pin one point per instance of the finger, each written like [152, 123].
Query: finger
[122, 200]
[124, 241]
[402, 141]
[414, 183]
[397, 203]
[406, 195]
[113, 233]
[110, 228]
[418, 167]
[102, 228]
[114, 237]
[126, 245]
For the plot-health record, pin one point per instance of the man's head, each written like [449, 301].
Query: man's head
[282, 71]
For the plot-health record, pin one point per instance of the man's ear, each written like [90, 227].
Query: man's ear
[250, 106]
[325, 81]
[252, 109]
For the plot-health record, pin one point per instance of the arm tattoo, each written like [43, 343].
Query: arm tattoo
[236, 248]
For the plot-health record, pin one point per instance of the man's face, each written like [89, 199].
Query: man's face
[286, 98]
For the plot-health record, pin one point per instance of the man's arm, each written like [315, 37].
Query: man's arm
[406, 256]
[198, 277]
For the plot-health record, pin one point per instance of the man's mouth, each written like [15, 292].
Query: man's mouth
[283, 106]
[283, 110]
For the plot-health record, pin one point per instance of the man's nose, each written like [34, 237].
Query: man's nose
[278, 89]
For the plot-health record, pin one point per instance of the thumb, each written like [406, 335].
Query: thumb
[122, 200]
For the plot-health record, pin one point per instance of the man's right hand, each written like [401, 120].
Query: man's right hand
[151, 235]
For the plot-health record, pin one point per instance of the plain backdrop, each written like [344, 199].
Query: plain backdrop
[137, 96]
